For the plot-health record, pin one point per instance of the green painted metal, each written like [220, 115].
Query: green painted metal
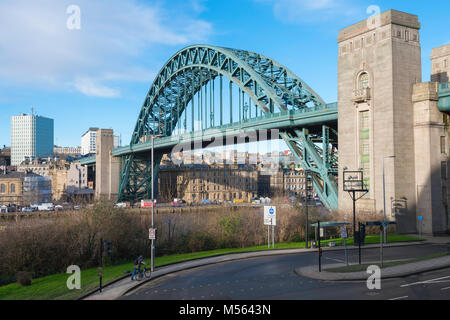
[283, 99]
[444, 97]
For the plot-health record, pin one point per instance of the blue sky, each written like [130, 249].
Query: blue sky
[99, 75]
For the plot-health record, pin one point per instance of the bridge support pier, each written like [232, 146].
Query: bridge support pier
[107, 167]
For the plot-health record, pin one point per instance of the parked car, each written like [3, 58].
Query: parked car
[59, 208]
[26, 209]
[46, 207]
[76, 207]
[3, 209]
[120, 205]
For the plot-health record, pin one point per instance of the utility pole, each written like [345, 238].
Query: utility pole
[153, 205]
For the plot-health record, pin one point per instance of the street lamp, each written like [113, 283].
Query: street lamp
[308, 191]
[384, 197]
[153, 203]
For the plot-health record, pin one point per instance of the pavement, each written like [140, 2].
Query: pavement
[124, 285]
[402, 270]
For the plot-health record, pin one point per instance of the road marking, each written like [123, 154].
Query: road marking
[337, 260]
[445, 288]
[399, 298]
[424, 282]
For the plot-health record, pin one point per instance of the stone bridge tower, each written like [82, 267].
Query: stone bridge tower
[379, 62]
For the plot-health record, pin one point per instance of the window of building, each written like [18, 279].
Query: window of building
[363, 81]
[2, 188]
[443, 145]
[364, 143]
[13, 188]
[444, 170]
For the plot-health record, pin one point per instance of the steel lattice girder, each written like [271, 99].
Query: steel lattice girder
[320, 161]
[269, 85]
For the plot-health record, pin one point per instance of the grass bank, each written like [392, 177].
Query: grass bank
[53, 287]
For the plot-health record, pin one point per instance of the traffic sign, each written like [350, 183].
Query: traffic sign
[270, 216]
[343, 232]
[152, 233]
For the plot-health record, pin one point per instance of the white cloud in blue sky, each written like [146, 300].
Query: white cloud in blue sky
[307, 11]
[37, 49]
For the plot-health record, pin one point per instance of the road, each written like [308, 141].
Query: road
[273, 278]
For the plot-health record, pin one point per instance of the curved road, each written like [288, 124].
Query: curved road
[273, 278]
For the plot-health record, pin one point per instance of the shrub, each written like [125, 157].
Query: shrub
[24, 278]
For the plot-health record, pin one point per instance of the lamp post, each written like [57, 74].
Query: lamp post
[384, 197]
[308, 190]
[153, 203]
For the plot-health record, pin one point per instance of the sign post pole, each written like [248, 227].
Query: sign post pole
[420, 226]
[320, 249]
[273, 236]
[381, 244]
[270, 219]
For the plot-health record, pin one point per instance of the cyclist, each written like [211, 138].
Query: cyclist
[137, 266]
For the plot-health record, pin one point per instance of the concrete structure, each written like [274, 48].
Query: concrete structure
[431, 138]
[440, 64]
[32, 137]
[378, 65]
[107, 166]
[385, 110]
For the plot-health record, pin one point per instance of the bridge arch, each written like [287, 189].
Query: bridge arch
[269, 84]
[272, 88]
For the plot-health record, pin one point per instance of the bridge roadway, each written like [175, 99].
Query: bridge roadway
[311, 118]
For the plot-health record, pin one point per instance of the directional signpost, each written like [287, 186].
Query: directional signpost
[270, 219]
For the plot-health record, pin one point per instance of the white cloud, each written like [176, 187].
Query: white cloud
[37, 48]
[300, 11]
[90, 87]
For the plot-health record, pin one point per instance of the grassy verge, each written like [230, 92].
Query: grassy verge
[356, 268]
[54, 286]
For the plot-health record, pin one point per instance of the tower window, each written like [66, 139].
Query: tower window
[363, 81]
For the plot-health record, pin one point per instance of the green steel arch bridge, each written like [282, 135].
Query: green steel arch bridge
[205, 92]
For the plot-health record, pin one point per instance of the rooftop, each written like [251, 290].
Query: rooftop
[386, 17]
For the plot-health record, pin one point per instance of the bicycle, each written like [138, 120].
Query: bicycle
[147, 272]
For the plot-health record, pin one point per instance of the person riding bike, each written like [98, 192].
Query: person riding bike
[137, 266]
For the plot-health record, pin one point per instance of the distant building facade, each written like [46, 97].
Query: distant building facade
[89, 142]
[70, 151]
[32, 137]
[23, 189]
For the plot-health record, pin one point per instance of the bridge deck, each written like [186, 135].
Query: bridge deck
[282, 120]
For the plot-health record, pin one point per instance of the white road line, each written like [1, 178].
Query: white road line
[445, 288]
[404, 297]
[337, 260]
[422, 282]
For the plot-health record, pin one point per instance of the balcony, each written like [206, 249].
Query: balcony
[361, 95]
